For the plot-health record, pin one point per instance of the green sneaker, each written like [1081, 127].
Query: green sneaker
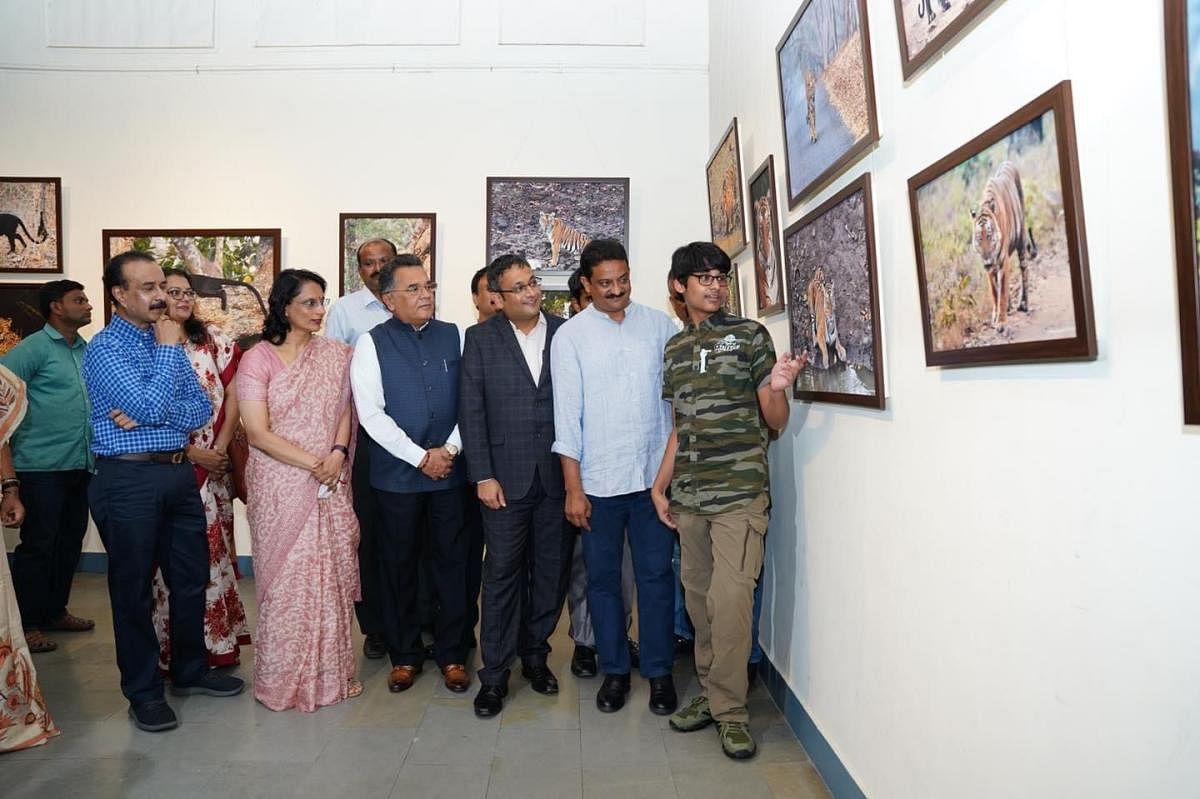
[693, 716]
[736, 739]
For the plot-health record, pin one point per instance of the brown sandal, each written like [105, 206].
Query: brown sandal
[355, 688]
[37, 642]
[71, 624]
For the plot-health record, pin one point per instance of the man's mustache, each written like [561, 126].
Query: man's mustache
[158, 306]
[614, 296]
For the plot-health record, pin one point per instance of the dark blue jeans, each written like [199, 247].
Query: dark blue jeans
[650, 542]
[148, 514]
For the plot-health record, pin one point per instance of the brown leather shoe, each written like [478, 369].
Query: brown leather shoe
[401, 678]
[457, 679]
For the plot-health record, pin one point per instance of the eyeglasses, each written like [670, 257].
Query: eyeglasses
[310, 303]
[415, 289]
[707, 279]
[178, 294]
[533, 283]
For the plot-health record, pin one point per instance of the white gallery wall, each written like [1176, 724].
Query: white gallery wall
[992, 588]
[288, 136]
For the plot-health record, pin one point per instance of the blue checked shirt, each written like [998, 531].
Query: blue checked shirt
[153, 384]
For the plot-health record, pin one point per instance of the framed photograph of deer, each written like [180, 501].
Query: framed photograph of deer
[834, 303]
[1183, 97]
[826, 93]
[726, 205]
[1001, 250]
[31, 226]
[411, 233]
[232, 270]
[551, 220]
[764, 225]
[927, 27]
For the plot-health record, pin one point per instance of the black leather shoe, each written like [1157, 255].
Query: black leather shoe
[635, 653]
[683, 646]
[373, 646]
[153, 716]
[490, 700]
[611, 696]
[583, 662]
[663, 700]
[541, 679]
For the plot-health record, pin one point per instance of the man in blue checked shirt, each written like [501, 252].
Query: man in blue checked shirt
[145, 401]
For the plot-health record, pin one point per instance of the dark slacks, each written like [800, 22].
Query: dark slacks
[525, 576]
[148, 514]
[44, 563]
[651, 543]
[473, 528]
[367, 609]
[399, 532]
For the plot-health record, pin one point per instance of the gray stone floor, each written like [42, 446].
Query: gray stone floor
[423, 743]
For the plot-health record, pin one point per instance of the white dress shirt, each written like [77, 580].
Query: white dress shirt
[366, 384]
[533, 345]
[355, 314]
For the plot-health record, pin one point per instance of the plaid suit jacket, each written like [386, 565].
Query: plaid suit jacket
[506, 421]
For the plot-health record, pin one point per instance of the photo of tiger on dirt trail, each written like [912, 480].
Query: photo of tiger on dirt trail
[726, 203]
[827, 93]
[550, 220]
[30, 222]
[764, 227]
[999, 238]
[925, 26]
[833, 302]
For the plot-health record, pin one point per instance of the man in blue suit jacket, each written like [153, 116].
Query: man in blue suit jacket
[506, 418]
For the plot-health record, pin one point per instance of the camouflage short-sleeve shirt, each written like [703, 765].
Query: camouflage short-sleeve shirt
[711, 375]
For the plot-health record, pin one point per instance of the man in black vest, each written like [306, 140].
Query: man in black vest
[405, 381]
[506, 408]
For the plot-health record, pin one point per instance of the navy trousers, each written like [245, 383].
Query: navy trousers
[44, 563]
[148, 514]
[651, 543]
[367, 609]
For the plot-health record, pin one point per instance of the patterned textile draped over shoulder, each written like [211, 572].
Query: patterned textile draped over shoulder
[24, 720]
[305, 548]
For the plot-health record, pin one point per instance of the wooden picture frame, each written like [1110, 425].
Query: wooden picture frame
[912, 14]
[733, 301]
[769, 286]
[20, 313]
[24, 202]
[726, 203]
[965, 300]
[1183, 98]
[414, 233]
[834, 316]
[824, 134]
[231, 291]
[550, 220]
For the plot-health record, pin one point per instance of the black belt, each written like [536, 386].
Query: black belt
[174, 456]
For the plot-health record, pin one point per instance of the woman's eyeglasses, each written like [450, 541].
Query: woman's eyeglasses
[310, 303]
[179, 294]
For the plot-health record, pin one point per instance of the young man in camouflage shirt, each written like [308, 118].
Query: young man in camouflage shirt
[726, 389]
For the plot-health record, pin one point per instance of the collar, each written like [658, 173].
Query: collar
[366, 299]
[53, 333]
[127, 331]
[592, 309]
[409, 328]
[715, 320]
[541, 325]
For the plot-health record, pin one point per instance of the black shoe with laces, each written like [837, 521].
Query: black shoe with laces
[541, 679]
[153, 716]
[583, 662]
[635, 653]
[663, 700]
[490, 700]
[611, 696]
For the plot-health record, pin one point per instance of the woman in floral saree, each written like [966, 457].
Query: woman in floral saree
[294, 392]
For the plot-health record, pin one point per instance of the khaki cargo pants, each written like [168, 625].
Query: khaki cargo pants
[720, 557]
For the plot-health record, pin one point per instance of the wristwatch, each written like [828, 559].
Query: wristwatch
[453, 450]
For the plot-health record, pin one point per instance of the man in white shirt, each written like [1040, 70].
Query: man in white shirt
[350, 317]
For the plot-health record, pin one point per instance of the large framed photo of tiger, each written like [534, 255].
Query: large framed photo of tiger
[826, 93]
[31, 226]
[413, 233]
[926, 27]
[764, 226]
[726, 205]
[1183, 97]
[834, 300]
[1000, 243]
[551, 220]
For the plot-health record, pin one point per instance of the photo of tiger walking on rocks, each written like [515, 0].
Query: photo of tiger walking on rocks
[993, 243]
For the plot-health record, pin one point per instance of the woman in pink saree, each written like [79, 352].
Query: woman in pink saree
[294, 394]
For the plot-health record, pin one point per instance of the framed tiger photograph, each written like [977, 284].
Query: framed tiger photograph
[927, 27]
[726, 205]
[1001, 249]
[834, 303]
[20, 313]
[764, 225]
[733, 297]
[550, 220]
[826, 93]
[31, 226]
[1183, 97]
[411, 233]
